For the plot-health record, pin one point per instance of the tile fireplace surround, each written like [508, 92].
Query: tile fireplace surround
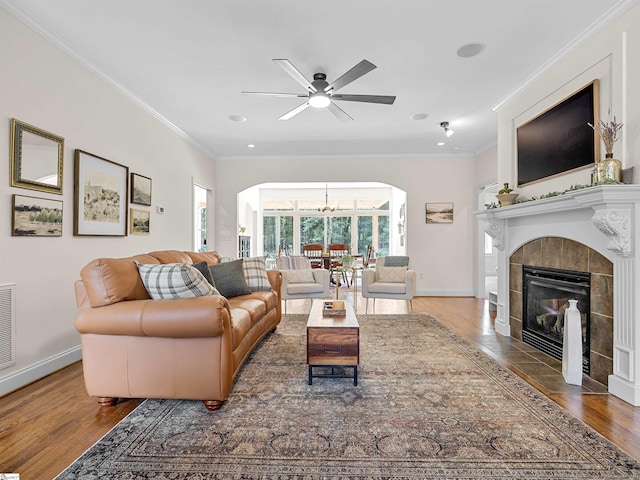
[604, 218]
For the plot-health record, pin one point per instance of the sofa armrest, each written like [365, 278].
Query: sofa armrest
[177, 318]
[275, 279]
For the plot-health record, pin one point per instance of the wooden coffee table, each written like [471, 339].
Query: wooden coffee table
[332, 342]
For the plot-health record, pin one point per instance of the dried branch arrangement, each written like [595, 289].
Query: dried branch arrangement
[608, 132]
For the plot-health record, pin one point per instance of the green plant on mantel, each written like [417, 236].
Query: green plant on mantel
[572, 188]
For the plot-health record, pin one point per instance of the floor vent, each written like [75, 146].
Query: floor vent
[7, 325]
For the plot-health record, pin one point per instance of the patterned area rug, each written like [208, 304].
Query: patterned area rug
[427, 405]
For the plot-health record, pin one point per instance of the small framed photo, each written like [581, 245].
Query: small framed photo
[139, 222]
[140, 189]
[36, 217]
[100, 196]
[439, 212]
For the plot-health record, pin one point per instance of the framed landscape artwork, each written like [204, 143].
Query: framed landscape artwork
[36, 217]
[140, 189]
[139, 222]
[100, 196]
[439, 212]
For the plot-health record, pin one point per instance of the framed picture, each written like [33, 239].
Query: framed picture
[100, 196]
[439, 212]
[36, 217]
[36, 158]
[139, 222]
[140, 189]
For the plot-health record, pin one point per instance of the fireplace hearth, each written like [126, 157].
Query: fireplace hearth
[546, 293]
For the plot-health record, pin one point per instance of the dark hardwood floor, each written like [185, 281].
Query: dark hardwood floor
[45, 426]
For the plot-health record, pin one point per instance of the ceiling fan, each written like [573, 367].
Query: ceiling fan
[321, 94]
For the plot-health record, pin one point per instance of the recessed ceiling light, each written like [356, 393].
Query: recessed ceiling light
[440, 144]
[470, 50]
[419, 116]
[251, 145]
[237, 118]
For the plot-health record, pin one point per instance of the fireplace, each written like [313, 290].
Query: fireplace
[545, 297]
[603, 220]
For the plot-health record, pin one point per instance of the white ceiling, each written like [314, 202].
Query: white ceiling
[189, 60]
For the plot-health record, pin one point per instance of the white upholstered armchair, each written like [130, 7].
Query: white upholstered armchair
[299, 280]
[392, 279]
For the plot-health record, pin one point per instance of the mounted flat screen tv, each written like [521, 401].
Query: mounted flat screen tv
[559, 139]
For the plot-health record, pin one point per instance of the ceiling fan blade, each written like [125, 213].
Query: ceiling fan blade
[338, 112]
[273, 94]
[386, 99]
[288, 67]
[295, 111]
[356, 72]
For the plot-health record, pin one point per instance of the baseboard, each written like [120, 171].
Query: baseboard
[39, 370]
[445, 293]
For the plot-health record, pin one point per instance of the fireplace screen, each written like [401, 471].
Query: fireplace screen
[545, 297]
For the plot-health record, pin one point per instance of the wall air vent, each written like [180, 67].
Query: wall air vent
[7, 325]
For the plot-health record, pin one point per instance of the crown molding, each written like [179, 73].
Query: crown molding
[613, 14]
[19, 14]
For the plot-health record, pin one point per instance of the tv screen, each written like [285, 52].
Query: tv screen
[559, 139]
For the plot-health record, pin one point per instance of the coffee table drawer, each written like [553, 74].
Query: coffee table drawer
[333, 346]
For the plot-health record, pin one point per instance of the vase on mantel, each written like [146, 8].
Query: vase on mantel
[609, 169]
[505, 199]
[572, 345]
[506, 196]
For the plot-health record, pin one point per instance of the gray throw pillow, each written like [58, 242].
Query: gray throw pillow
[229, 279]
[203, 268]
[396, 261]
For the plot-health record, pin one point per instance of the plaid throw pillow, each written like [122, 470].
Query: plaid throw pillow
[292, 262]
[255, 272]
[174, 280]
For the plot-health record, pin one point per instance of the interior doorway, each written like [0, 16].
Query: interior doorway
[487, 254]
[199, 218]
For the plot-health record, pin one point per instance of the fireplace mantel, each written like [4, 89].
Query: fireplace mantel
[612, 205]
[604, 218]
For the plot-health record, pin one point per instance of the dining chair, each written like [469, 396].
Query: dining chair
[313, 251]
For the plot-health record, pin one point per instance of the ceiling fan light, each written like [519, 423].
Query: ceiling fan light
[319, 100]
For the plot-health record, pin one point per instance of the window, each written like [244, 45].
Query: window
[339, 230]
[311, 230]
[277, 234]
[292, 216]
[365, 233]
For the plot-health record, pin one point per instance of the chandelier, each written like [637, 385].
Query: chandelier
[326, 207]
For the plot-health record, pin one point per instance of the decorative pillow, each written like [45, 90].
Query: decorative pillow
[300, 276]
[255, 272]
[391, 274]
[396, 261]
[174, 280]
[229, 279]
[203, 268]
[292, 262]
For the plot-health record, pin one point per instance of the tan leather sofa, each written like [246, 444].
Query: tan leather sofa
[186, 348]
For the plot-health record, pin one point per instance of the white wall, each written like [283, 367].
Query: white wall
[42, 86]
[443, 253]
[612, 57]
[487, 166]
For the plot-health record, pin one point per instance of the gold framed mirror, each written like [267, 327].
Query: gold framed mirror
[36, 158]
